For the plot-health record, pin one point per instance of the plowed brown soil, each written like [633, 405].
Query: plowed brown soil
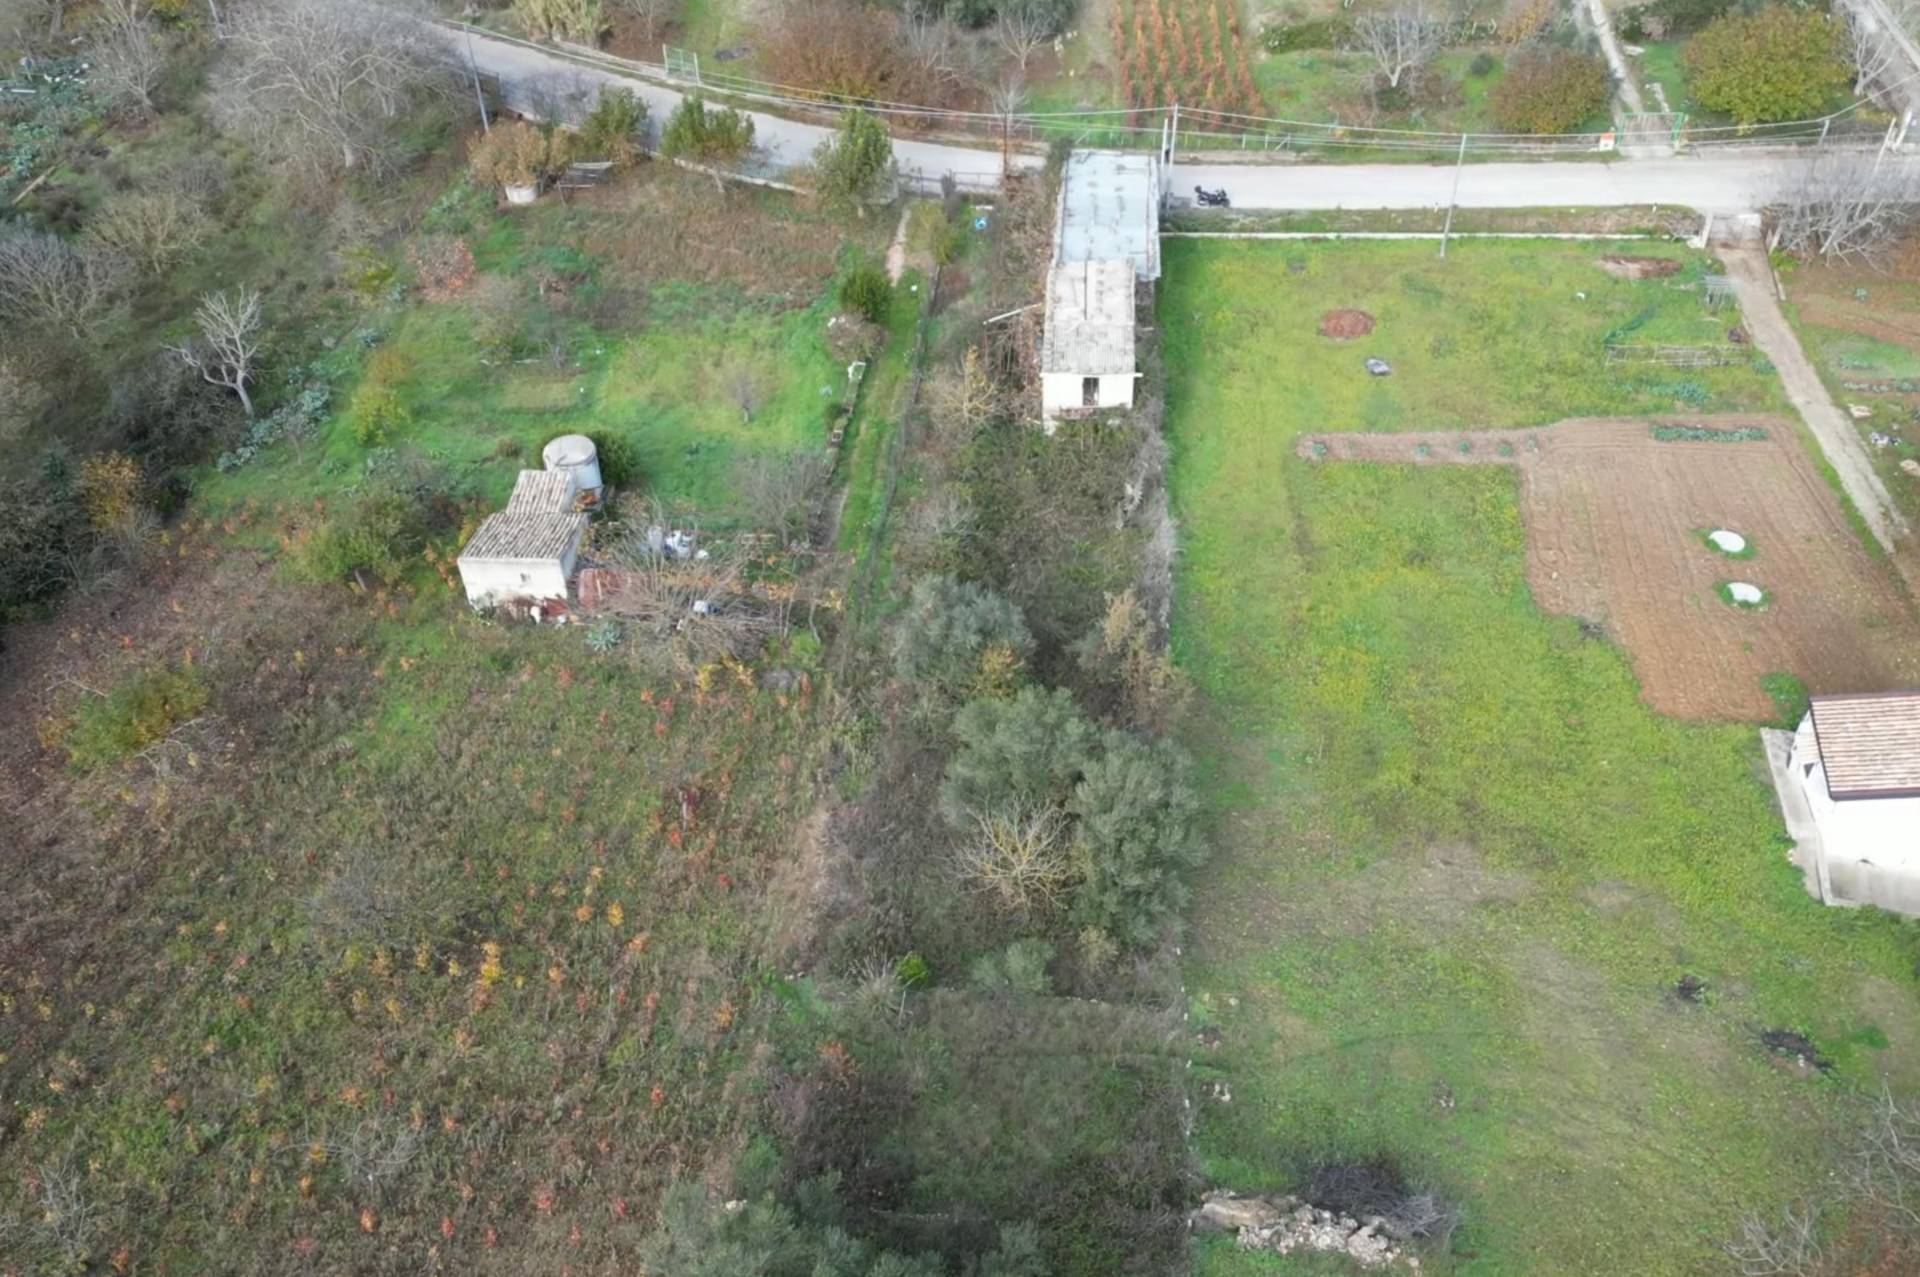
[1614, 520]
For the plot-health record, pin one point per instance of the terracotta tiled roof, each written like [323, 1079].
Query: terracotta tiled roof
[541, 492]
[513, 535]
[1869, 744]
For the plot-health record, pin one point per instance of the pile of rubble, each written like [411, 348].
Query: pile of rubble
[1287, 1224]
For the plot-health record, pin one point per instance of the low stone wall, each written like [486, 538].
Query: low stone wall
[1287, 1224]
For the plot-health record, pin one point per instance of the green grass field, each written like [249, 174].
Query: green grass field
[1459, 864]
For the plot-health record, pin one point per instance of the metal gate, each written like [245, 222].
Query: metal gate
[681, 64]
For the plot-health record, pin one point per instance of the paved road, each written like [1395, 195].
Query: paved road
[1721, 183]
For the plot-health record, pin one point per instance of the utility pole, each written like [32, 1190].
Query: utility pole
[1459, 163]
[486, 125]
[1173, 134]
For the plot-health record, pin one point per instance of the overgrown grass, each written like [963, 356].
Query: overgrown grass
[1459, 862]
[477, 938]
[661, 378]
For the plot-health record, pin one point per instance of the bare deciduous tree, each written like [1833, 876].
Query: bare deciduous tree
[1005, 98]
[45, 280]
[1018, 857]
[152, 230]
[325, 81]
[1789, 1248]
[692, 611]
[229, 341]
[1886, 1173]
[1021, 30]
[1400, 40]
[1845, 205]
[129, 55]
[648, 15]
[1872, 50]
[745, 386]
[932, 46]
[782, 489]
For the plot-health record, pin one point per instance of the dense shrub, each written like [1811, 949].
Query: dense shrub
[701, 1237]
[42, 534]
[1483, 65]
[1664, 19]
[1021, 967]
[619, 459]
[519, 154]
[1135, 807]
[379, 531]
[694, 132]
[1054, 15]
[616, 127]
[855, 166]
[139, 712]
[1779, 63]
[1026, 751]
[1127, 810]
[1331, 32]
[865, 291]
[959, 639]
[1550, 90]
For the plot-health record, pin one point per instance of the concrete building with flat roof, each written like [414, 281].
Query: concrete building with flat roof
[1106, 242]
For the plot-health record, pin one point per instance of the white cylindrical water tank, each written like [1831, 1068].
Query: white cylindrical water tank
[576, 455]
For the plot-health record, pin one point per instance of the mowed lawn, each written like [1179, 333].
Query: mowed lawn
[1459, 866]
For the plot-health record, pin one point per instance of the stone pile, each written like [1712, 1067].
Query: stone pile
[1286, 1224]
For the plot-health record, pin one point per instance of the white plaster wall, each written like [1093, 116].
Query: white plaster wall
[1060, 393]
[489, 581]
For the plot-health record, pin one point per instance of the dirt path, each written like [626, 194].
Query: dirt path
[1841, 444]
[1622, 73]
[897, 250]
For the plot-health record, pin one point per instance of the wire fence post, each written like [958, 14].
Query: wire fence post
[1459, 165]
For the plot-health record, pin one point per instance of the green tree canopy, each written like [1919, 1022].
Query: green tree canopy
[856, 166]
[715, 136]
[1550, 90]
[1778, 63]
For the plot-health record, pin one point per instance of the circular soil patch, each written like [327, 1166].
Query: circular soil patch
[1345, 325]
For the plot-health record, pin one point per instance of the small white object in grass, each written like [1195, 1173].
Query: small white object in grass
[1745, 592]
[1729, 542]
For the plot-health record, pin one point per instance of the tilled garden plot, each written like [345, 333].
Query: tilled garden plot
[1616, 518]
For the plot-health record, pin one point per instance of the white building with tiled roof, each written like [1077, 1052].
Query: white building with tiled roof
[527, 551]
[1855, 763]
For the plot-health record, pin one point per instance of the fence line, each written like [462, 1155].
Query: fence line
[1199, 128]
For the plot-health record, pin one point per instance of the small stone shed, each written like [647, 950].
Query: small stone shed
[1106, 245]
[1086, 353]
[1849, 784]
[526, 551]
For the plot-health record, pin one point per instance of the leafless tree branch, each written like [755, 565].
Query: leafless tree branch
[1400, 40]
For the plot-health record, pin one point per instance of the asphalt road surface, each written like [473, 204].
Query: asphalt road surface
[1726, 182]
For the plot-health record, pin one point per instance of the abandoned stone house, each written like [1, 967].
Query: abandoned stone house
[1106, 250]
[1850, 789]
[526, 551]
